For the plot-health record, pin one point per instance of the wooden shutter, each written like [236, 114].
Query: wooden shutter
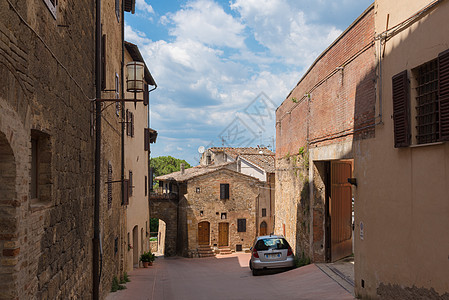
[443, 94]
[241, 225]
[103, 62]
[127, 123]
[224, 190]
[146, 95]
[130, 191]
[109, 185]
[132, 124]
[401, 110]
[146, 139]
[125, 186]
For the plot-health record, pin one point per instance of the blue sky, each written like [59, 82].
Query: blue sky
[223, 67]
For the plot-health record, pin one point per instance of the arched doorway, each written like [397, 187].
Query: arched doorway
[8, 230]
[203, 233]
[223, 234]
[263, 228]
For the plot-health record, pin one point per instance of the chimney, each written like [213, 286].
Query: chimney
[182, 168]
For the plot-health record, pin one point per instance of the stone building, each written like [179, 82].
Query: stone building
[47, 148]
[221, 209]
[332, 106]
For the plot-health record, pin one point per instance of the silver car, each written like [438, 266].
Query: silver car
[271, 252]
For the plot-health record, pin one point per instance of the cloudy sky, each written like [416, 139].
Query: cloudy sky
[223, 67]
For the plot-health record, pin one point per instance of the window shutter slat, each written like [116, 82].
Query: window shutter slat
[443, 94]
[401, 110]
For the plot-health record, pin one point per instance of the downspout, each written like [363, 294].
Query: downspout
[379, 82]
[122, 137]
[96, 239]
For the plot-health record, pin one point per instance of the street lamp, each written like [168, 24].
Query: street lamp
[135, 77]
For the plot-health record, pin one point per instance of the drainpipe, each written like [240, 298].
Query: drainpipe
[122, 137]
[96, 239]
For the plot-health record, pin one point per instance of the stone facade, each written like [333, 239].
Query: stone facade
[47, 150]
[203, 204]
[331, 106]
[46, 231]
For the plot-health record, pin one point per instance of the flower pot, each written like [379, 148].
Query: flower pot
[146, 264]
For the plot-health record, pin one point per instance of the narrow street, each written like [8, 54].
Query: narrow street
[226, 277]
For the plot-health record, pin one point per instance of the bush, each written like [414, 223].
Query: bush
[301, 261]
[116, 286]
[147, 257]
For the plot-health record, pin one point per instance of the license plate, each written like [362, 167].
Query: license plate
[273, 255]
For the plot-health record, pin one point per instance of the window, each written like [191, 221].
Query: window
[117, 10]
[117, 95]
[130, 183]
[198, 190]
[129, 123]
[224, 191]
[241, 225]
[264, 212]
[146, 185]
[223, 216]
[430, 88]
[109, 185]
[52, 5]
[41, 179]
[125, 185]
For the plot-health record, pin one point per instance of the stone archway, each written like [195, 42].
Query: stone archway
[167, 210]
[9, 249]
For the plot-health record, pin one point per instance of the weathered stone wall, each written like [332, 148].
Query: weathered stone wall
[292, 205]
[206, 205]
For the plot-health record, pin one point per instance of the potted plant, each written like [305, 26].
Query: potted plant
[147, 259]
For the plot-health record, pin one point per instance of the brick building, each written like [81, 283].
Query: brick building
[332, 105]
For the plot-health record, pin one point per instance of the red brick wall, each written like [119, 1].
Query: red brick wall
[340, 100]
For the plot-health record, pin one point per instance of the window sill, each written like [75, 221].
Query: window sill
[37, 205]
[425, 145]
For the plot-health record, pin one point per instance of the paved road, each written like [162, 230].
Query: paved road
[226, 277]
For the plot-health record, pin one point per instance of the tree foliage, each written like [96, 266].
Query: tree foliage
[163, 165]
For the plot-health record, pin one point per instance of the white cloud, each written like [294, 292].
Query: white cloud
[206, 22]
[142, 5]
[135, 37]
[284, 30]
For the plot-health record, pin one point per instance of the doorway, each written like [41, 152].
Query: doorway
[223, 234]
[338, 210]
[135, 247]
[203, 233]
[263, 228]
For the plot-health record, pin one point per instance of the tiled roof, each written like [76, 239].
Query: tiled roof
[193, 172]
[261, 157]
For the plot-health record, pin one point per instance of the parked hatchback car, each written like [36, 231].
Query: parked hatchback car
[271, 252]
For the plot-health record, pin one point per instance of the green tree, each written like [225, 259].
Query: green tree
[163, 165]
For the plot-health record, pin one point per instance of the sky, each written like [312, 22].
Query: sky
[223, 67]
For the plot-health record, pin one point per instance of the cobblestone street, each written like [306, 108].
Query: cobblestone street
[226, 277]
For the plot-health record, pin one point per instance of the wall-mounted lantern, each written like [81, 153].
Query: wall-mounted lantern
[135, 77]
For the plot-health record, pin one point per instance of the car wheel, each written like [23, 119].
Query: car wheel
[255, 272]
[250, 266]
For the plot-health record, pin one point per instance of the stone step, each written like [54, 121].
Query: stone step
[205, 251]
[224, 250]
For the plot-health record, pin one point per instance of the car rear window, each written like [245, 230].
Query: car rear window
[271, 243]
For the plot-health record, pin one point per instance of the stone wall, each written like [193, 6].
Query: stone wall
[47, 73]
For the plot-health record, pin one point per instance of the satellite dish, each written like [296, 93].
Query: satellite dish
[201, 149]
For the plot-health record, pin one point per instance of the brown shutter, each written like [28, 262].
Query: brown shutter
[132, 124]
[146, 139]
[224, 190]
[127, 122]
[443, 94]
[125, 185]
[130, 181]
[103, 62]
[146, 95]
[401, 110]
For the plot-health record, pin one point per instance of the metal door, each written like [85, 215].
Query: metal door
[203, 233]
[223, 233]
[340, 210]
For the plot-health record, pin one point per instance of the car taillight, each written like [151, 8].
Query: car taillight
[289, 252]
[255, 254]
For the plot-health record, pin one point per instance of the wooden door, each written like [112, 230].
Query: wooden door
[263, 228]
[223, 233]
[340, 210]
[203, 233]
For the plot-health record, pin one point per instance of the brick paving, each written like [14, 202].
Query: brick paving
[226, 277]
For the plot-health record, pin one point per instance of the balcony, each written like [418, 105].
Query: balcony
[159, 194]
